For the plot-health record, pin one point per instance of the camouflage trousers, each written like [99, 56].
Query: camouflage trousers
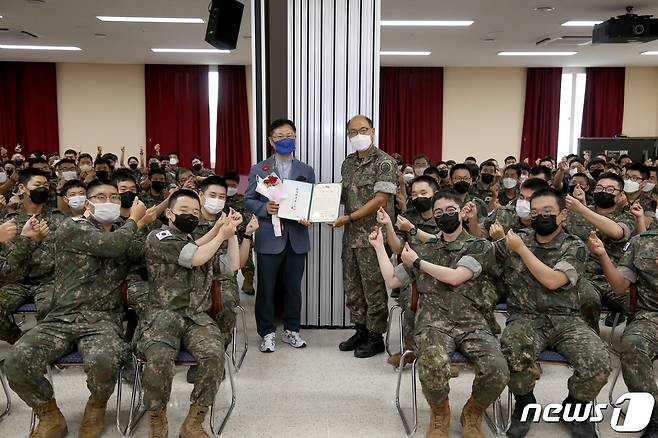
[479, 346]
[13, 296]
[365, 290]
[408, 315]
[160, 336]
[226, 319]
[600, 292]
[639, 347]
[525, 337]
[138, 294]
[100, 344]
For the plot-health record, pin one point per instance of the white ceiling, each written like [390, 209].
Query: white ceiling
[74, 23]
[513, 24]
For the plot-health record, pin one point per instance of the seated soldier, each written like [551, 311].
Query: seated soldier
[461, 179]
[639, 344]
[542, 268]
[74, 195]
[448, 271]
[85, 315]
[180, 274]
[511, 181]
[156, 193]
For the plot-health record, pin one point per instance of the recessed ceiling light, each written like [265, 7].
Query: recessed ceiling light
[545, 9]
[157, 50]
[403, 53]
[581, 23]
[150, 19]
[650, 52]
[437, 23]
[22, 47]
[536, 53]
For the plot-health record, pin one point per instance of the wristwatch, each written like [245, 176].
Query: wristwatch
[417, 263]
[246, 236]
[413, 231]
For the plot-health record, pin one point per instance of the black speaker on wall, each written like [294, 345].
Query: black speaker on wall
[224, 24]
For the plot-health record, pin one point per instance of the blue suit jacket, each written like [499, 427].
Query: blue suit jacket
[266, 242]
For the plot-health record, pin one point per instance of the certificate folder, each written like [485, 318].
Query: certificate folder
[312, 202]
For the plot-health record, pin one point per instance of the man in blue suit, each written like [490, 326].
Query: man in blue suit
[281, 257]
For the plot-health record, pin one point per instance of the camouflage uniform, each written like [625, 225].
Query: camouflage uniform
[151, 200]
[504, 199]
[85, 314]
[236, 202]
[599, 291]
[365, 290]
[449, 320]
[639, 343]
[36, 286]
[177, 317]
[478, 192]
[203, 172]
[541, 318]
[479, 204]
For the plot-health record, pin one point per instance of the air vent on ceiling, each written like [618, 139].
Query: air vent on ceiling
[15, 35]
[565, 41]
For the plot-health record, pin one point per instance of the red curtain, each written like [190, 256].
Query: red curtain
[541, 118]
[603, 110]
[411, 111]
[233, 139]
[177, 111]
[28, 106]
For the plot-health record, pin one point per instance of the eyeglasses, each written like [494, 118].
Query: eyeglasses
[450, 211]
[281, 137]
[546, 214]
[461, 178]
[609, 189]
[634, 178]
[355, 132]
[114, 198]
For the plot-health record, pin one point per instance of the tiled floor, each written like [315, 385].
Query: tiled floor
[314, 392]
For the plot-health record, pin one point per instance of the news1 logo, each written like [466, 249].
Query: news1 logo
[640, 407]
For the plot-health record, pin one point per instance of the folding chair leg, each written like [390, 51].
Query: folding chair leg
[496, 422]
[213, 428]
[387, 337]
[611, 396]
[409, 429]
[237, 363]
[136, 410]
[5, 389]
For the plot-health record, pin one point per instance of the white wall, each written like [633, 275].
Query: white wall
[482, 112]
[101, 104]
[641, 102]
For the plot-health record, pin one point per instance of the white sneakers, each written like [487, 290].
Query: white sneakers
[267, 343]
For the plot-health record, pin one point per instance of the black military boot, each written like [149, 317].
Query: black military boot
[374, 344]
[517, 429]
[576, 408]
[192, 373]
[357, 339]
[651, 431]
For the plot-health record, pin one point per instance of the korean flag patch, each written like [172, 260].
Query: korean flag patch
[163, 234]
[628, 245]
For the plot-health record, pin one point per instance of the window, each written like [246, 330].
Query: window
[213, 95]
[572, 98]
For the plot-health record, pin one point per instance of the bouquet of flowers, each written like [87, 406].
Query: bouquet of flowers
[272, 188]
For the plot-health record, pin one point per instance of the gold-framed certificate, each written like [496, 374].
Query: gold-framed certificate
[312, 202]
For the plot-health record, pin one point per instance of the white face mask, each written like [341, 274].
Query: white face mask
[68, 175]
[509, 183]
[360, 142]
[573, 171]
[523, 178]
[173, 161]
[77, 202]
[3, 177]
[631, 186]
[420, 170]
[523, 208]
[232, 191]
[648, 187]
[106, 212]
[214, 206]
[408, 177]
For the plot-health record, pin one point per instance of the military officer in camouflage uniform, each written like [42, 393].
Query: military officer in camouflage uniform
[156, 193]
[487, 187]
[199, 170]
[639, 344]
[542, 268]
[448, 271]
[636, 179]
[180, 275]
[85, 314]
[370, 181]
[460, 176]
[37, 285]
[509, 191]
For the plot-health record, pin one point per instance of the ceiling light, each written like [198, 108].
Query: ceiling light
[156, 50]
[650, 52]
[536, 53]
[581, 23]
[150, 19]
[22, 47]
[403, 53]
[436, 23]
[545, 9]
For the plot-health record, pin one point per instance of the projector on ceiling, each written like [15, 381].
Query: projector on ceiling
[627, 28]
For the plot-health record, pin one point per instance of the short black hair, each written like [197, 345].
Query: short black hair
[474, 169]
[53, 154]
[37, 153]
[515, 167]
[97, 183]
[182, 193]
[37, 160]
[652, 169]
[510, 157]
[212, 181]
[642, 168]
[597, 161]
[73, 184]
[64, 161]
[447, 193]
[429, 171]
[575, 159]
[459, 166]
[100, 161]
[183, 170]
[488, 163]
[438, 163]
[195, 157]
[470, 159]
[541, 169]
[157, 171]
[622, 156]
[279, 123]
[71, 151]
[232, 175]
[85, 155]
[426, 179]
[110, 156]
[534, 184]
[132, 158]
[613, 176]
[422, 157]
[25, 175]
[550, 192]
[548, 158]
[123, 175]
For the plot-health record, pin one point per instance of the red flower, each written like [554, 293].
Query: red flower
[266, 168]
[272, 179]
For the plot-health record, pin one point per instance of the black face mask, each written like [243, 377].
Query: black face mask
[572, 188]
[487, 178]
[102, 175]
[461, 187]
[443, 173]
[158, 186]
[133, 166]
[186, 222]
[604, 200]
[447, 223]
[127, 199]
[10, 172]
[39, 195]
[154, 166]
[422, 204]
[545, 226]
[595, 174]
[196, 167]
[19, 163]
